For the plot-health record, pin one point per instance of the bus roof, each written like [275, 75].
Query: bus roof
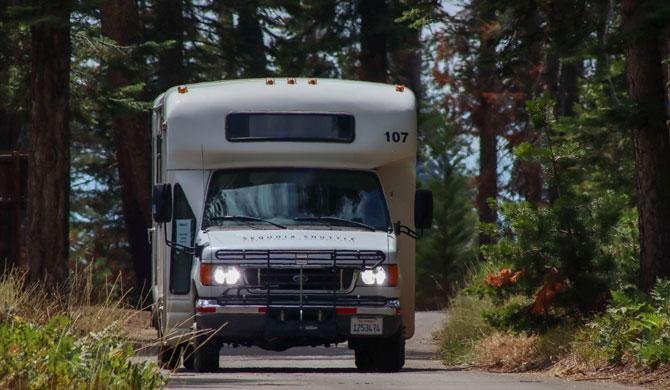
[195, 116]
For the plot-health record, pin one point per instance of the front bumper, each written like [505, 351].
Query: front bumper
[282, 327]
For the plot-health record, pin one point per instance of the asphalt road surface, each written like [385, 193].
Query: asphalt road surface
[327, 368]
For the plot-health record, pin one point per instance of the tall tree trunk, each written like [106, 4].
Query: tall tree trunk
[170, 26]
[568, 93]
[652, 144]
[482, 118]
[561, 74]
[132, 140]
[251, 49]
[404, 47]
[527, 175]
[373, 38]
[407, 64]
[49, 146]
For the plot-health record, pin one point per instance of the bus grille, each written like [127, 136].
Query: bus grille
[289, 278]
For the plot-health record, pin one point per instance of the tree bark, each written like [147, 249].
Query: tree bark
[251, 49]
[651, 141]
[482, 117]
[132, 140]
[49, 146]
[407, 63]
[527, 175]
[373, 38]
[169, 26]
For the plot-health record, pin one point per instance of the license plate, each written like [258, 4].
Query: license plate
[367, 325]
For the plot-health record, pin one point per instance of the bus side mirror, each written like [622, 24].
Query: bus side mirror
[423, 209]
[161, 203]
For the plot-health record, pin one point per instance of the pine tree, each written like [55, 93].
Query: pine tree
[131, 134]
[49, 143]
[644, 67]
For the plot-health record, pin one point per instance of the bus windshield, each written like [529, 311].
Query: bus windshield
[269, 198]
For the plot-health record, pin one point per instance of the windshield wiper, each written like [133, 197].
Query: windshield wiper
[244, 218]
[335, 219]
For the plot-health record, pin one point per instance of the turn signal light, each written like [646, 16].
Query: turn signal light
[392, 275]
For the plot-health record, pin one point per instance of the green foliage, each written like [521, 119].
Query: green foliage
[447, 251]
[583, 241]
[54, 356]
[514, 316]
[637, 325]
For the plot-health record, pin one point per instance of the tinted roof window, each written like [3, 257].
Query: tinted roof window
[289, 127]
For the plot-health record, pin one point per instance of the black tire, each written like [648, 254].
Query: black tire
[206, 356]
[168, 357]
[381, 355]
[389, 354]
[188, 358]
[364, 360]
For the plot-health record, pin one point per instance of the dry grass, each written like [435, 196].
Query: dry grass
[68, 338]
[464, 327]
[511, 352]
[507, 352]
[92, 308]
[565, 351]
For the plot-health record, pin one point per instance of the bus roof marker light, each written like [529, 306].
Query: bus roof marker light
[269, 81]
[290, 81]
[311, 81]
[400, 88]
[182, 89]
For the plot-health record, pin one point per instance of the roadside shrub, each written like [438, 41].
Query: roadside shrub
[580, 240]
[637, 326]
[55, 356]
[69, 341]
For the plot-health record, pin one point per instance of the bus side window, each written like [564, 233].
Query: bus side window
[183, 233]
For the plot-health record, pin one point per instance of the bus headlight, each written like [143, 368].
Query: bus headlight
[211, 275]
[381, 276]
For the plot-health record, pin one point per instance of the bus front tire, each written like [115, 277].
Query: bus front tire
[385, 355]
[206, 356]
[188, 357]
[168, 357]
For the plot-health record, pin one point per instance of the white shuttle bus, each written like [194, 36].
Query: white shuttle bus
[284, 215]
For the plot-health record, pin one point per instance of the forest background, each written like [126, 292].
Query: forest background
[543, 133]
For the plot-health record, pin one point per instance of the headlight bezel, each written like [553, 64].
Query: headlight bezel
[219, 275]
[381, 276]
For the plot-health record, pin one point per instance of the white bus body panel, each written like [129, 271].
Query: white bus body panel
[194, 145]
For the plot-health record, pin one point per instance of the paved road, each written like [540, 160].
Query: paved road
[321, 368]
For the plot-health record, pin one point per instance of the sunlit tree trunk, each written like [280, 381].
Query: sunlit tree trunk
[49, 145]
[650, 135]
